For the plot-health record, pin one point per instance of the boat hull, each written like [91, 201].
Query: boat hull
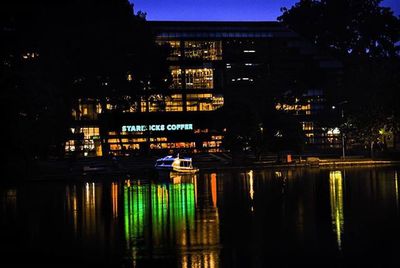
[178, 170]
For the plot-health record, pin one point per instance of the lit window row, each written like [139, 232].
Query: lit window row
[174, 103]
[205, 50]
[296, 108]
[216, 34]
[173, 145]
[204, 102]
[92, 147]
[308, 126]
[30, 55]
[88, 132]
[212, 144]
[245, 79]
[201, 78]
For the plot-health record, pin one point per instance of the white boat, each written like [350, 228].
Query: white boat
[176, 164]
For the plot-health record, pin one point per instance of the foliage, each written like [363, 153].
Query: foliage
[365, 36]
[346, 27]
[54, 53]
[284, 133]
[243, 126]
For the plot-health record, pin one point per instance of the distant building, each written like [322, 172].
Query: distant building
[211, 64]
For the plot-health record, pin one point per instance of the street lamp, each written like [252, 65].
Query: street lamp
[340, 104]
[343, 135]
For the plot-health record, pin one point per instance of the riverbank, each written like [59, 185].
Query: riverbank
[68, 169]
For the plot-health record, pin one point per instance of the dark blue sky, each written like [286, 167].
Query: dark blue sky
[228, 10]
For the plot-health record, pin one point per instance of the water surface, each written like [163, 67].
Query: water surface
[252, 218]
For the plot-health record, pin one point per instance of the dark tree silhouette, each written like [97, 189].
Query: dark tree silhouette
[365, 37]
[57, 52]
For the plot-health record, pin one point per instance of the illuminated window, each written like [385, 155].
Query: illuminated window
[115, 147]
[172, 145]
[176, 78]
[199, 78]
[204, 102]
[98, 108]
[70, 146]
[196, 131]
[333, 132]
[174, 103]
[175, 51]
[308, 126]
[159, 139]
[118, 140]
[125, 146]
[88, 109]
[90, 132]
[30, 55]
[297, 109]
[154, 103]
[139, 140]
[90, 144]
[214, 150]
[212, 144]
[205, 50]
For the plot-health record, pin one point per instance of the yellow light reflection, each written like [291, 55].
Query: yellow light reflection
[396, 185]
[336, 200]
[72, 206]
[10, 204]
[89, 209]
[251, 190]
[114, 197]
[195, 190]
[251, 187]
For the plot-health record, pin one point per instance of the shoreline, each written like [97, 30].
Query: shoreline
[102, 168]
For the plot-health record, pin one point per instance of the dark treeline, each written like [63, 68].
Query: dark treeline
[365, 37]
[361, 35]
[53, 53]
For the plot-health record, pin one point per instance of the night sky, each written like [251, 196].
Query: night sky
[221, 10]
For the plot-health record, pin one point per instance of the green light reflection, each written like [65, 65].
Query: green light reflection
[168, 208]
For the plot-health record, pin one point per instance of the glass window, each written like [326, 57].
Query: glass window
[204, 50]
[176, 73]
[175, 52]
[308, 126]
[174, 103]
[199, 78]
[204, 102]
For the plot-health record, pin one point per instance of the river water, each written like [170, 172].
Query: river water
[251, 218]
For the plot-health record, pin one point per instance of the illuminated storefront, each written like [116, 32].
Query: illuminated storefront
[165, 133]
[211, 64]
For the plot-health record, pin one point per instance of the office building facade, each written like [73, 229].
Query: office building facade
[212, 64]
